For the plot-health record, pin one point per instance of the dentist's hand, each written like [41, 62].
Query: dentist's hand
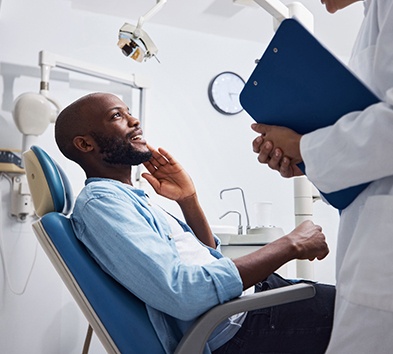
[279, 148]
[167, 176]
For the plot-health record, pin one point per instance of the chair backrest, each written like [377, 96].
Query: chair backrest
[118, 318]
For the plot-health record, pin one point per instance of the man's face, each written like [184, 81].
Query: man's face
[117, 133]
[118, 151]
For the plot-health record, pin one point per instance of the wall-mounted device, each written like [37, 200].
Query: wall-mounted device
[33, 112]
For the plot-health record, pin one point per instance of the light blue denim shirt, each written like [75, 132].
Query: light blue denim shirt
[132, 242]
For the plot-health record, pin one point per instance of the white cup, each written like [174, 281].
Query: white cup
[263, 214]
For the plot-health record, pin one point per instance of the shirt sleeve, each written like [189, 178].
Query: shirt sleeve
[128, 243]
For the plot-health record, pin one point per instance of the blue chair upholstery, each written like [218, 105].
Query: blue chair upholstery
[118, 318]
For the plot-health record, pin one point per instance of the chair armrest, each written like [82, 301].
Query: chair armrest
[196, 337]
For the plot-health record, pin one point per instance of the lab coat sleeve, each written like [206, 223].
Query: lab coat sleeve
[357, 148]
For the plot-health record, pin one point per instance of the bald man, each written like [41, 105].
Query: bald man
[176, 267]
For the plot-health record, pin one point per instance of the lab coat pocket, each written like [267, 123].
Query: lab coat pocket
[366, 276]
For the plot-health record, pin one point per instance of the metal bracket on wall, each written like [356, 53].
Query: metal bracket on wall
[21, 202]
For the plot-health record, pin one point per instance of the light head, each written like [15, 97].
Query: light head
[135, 43]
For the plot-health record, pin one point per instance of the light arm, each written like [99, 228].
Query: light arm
[280, 12]
[157, 7]
[275, 8]
[303, 189]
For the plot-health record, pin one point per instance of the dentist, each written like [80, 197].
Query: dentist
[353, 151]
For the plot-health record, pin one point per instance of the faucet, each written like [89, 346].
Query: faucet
[244, 204]
[239, 227]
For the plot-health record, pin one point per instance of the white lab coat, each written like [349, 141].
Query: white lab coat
[359, 149]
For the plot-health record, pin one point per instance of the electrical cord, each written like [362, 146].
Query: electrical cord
[2, 252]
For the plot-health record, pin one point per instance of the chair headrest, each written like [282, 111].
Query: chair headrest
[49, 186]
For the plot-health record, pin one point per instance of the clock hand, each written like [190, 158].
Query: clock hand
[231, 94]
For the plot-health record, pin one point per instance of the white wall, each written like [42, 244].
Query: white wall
[215, 149]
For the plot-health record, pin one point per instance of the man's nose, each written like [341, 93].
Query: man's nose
[132, 121]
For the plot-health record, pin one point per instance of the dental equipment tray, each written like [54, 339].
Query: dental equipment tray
[299, 84]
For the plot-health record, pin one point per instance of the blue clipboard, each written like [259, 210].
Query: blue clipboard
[299, 84]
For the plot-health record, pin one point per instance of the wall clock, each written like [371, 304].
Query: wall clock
[224, 90]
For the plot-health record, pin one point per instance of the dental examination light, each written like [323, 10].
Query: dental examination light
[134, 42]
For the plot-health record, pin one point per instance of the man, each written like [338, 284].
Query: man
[353, 151]
[176, 267]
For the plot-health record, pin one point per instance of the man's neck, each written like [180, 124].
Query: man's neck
[119, 174]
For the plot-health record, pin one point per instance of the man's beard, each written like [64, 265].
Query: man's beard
[118, 152]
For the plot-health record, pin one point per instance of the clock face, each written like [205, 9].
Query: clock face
[224, 90]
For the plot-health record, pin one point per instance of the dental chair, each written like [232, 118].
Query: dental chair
[118, 318]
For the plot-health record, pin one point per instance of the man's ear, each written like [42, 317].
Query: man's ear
[83, 143]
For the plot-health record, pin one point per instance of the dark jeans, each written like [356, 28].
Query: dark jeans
[301, 327]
